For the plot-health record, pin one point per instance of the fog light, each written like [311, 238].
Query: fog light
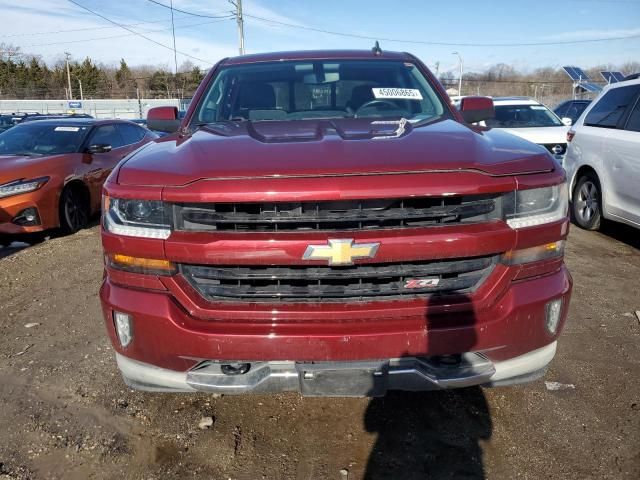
[124, 327]
[553, 311]
[27, 217]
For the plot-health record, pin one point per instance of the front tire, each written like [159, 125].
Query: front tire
[74, 210]
[587, 202]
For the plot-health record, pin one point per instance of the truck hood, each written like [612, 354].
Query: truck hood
[541, 135]
[328, 147]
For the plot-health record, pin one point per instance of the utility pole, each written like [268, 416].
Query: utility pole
[240, 20]
[460, 79]
[80, 84]
[139, 102]
[69, 76]
[437, 68]
[173, 31]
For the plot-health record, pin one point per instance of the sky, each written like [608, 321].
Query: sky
[31, 24]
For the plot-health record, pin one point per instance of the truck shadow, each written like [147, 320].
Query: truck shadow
[433, 434]
[428, 435]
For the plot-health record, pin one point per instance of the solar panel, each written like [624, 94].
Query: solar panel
[608, 77]
[572, 73]
[576, 74]
[590, 87]
[612, 77]
[581, 74]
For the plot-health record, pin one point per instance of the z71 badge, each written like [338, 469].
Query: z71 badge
[421, 283]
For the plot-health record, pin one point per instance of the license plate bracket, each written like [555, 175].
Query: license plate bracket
[335, 379]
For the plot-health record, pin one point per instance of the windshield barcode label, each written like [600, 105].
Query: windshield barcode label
[398, 93]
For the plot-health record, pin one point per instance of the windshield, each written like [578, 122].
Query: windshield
[523, 116]
[42, 139]
[301, 90]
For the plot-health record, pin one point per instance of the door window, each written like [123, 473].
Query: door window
[107, 135]
[130, 133]
[561, 111]
[633, 123]
[610, 109]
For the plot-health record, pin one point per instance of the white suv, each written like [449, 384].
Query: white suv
[531, 120]
[603, 158]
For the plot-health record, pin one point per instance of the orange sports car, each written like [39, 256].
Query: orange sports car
[52, 171]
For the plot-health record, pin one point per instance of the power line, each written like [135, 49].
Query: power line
[445, 44]
[136, 33]
[28, 34]
[160, 4]
[68, 42]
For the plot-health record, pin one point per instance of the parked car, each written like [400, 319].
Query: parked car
[327, 222]
[533, 121]
[52, 171]
[603, 161]
[571, 109]
[52, 116]
[7, 121]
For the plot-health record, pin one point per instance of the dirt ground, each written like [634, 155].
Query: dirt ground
[66, 413]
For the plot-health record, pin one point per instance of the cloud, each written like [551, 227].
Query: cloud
[104, 42]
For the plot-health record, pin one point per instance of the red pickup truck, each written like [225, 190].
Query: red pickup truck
[327, 222]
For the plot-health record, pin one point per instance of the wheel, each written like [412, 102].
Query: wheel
[587, 201]
[74, 210]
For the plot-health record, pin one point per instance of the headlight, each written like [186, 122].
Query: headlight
[536, 206]
[22, 186]
[136, 218]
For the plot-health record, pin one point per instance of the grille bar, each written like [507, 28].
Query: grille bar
[335, 215]
[314, 273]
[359, 282]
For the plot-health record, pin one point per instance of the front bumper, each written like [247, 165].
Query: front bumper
[176, 351]
[44, 201]
[357, 378]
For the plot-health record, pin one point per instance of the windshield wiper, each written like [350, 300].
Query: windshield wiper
[19, 154]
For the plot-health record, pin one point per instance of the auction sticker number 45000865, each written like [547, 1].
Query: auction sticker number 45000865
[399, 93]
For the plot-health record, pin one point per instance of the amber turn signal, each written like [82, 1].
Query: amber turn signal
[140, 265]
[534, 254]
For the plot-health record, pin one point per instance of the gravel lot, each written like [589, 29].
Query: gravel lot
[67, 414]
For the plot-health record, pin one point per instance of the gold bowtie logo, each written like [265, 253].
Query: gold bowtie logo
[341, 251]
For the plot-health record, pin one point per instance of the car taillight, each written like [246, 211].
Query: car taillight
[570, 135]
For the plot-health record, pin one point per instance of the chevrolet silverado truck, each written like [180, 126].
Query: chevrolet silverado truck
[327, 222]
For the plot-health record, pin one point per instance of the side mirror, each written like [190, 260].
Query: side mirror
[567, 121]
[163, 119]
[477, 109]
[99, 148]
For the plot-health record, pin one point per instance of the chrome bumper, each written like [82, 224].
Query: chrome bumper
[342, 379]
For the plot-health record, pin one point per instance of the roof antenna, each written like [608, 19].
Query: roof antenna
[377, 51]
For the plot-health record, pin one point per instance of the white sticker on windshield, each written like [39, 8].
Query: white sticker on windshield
[67, 129]
[398, 93]
[537, 107]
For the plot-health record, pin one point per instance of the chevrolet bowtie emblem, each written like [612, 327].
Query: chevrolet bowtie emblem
[341, 251]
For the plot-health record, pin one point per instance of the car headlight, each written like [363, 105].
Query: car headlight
[136, 218]
[21, 186]
[536, 206]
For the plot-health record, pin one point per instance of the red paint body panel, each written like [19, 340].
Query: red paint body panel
[288, 248]
[172, 339]
[175, 326]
